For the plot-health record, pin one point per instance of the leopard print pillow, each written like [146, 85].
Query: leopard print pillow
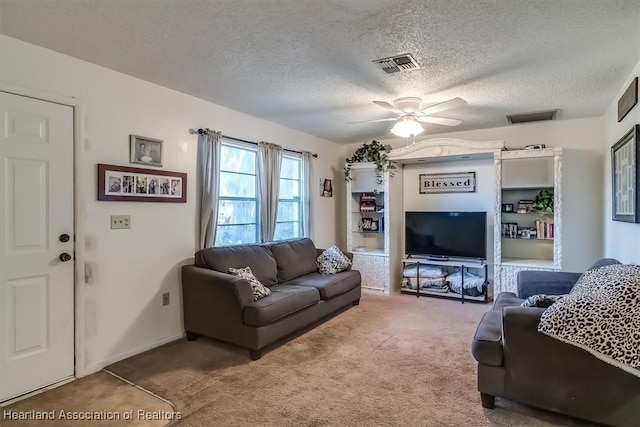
[332, 261]
[601, 314]
[259, 290]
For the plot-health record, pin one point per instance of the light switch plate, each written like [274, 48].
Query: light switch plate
[120, 222]
[166, 299]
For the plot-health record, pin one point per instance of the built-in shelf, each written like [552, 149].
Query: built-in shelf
[528, 262]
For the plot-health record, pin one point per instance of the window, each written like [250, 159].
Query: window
[238, 217]
[238, 204]
[289, 223]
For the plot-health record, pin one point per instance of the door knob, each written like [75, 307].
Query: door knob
[64, 237]
[64, 257]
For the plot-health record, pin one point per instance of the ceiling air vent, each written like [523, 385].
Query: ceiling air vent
[532, 117]
[398, 63]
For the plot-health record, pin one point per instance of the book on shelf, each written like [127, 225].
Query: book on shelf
[544, 229]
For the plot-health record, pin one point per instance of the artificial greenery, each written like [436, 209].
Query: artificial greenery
[544, 201]
[372, 152]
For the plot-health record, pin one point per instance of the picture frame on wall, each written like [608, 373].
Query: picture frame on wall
[131, 184]
[625, 179]
[145, 151]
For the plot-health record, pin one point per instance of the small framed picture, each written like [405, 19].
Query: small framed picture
[507, 207]
[326, 187]
[375, 225]
[145, 151]
[366, 224]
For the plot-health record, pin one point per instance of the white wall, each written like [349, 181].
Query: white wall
[622, 240]
[130, 269]
[583, 160]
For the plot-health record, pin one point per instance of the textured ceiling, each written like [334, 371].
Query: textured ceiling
[306, 64]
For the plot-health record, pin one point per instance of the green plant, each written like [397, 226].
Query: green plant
[372, 152]
[544, 201]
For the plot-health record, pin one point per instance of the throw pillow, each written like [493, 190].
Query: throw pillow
[541, 300]
[259, 290]
[332, 261]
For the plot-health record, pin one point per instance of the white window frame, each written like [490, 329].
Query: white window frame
[256, 199]
[301, 189]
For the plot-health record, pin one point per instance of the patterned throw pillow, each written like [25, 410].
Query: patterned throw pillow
[541, 300]
[332, 261]
[259, 290]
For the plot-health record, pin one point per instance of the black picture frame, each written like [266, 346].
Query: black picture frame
[129, 184]
[507, 207]
[625, 179]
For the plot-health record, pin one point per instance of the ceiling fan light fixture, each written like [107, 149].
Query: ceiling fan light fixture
[407, 127]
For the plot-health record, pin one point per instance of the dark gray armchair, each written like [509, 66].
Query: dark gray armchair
[518, 363]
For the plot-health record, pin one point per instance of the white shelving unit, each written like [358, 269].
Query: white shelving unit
[522, 175]
[374, 252]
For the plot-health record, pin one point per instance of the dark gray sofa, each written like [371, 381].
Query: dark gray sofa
[221, 306]
[518, 363]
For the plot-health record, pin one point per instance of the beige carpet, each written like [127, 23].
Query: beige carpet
[103, 397]
[392, 361]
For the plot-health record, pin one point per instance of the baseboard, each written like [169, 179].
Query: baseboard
[98, 366]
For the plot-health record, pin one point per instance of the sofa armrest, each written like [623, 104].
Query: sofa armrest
[532, 282]
[212, 300]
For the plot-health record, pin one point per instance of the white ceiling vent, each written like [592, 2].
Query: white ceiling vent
[398, 63]
[532, 117]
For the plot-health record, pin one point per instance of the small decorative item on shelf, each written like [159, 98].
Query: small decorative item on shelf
[507, 207]
[374, 225]
[544, 201]
[368, 202]
[510, 230]
[525, 206]
[366, 224]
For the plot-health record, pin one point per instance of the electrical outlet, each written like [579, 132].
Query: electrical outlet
[166, 298]
[119, 222]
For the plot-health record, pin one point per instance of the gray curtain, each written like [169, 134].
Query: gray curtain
[307, 172]
[269, 162]
[209, 180]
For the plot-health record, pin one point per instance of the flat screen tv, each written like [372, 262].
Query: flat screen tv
[446, 235]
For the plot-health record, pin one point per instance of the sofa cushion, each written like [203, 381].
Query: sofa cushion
[506, 299]
[487, 343]
[332, 261]
[283, 301]
[258, 257]
[259, 290]
[294, 258]
[329, 286]
[541, 300]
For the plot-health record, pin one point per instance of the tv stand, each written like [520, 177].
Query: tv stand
[460, 265]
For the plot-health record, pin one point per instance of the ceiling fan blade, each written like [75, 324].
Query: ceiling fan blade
[372, 121]
[446, 105]
[389, 107]
[439, 121]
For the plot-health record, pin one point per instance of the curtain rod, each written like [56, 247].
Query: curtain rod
[206, 132]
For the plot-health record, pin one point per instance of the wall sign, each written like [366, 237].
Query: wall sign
[458, 182]
[628, 100]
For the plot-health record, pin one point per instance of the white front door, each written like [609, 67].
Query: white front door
[36, 211]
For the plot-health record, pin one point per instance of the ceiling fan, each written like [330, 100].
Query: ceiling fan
[410, 115]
